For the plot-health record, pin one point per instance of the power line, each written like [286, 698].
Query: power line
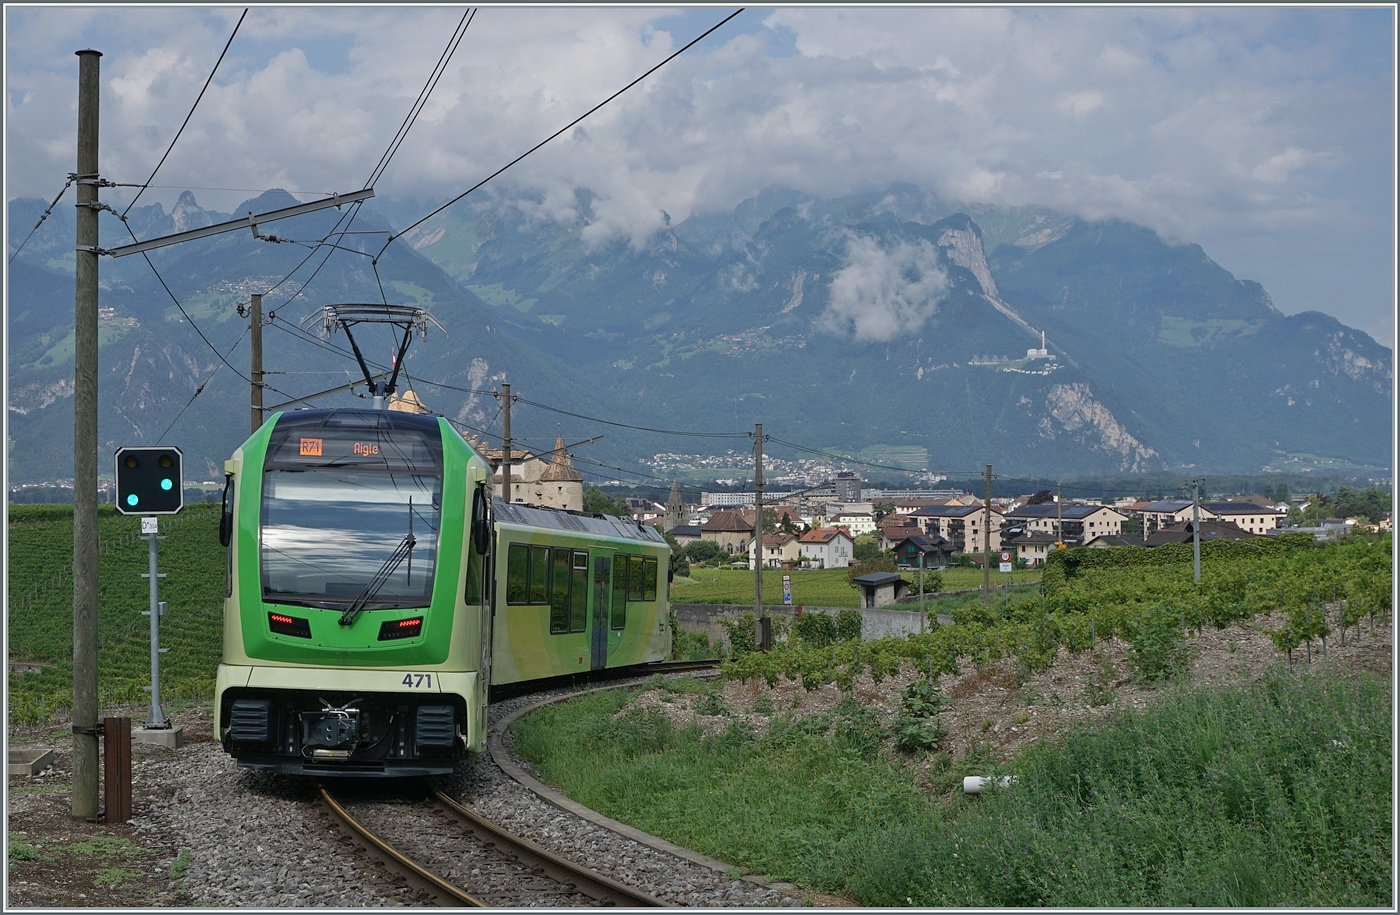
[66, 186]
[609, 422]
[557, 133]
[419, 103]
[200, 390]
[187, 117]
[851, 460]
[348, 218]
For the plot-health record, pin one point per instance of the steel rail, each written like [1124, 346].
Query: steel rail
[444, 893]
[573, 876]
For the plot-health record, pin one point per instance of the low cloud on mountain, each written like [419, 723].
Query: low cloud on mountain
[880, 295]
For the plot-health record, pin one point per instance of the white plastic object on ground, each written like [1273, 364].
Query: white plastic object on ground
[975, 784]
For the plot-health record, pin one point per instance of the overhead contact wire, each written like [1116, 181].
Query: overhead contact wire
[227, 44]
[557, 133]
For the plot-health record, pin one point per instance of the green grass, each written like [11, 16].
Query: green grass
[40, 624]
[814, 588]
[181, 865]
[1265, 794]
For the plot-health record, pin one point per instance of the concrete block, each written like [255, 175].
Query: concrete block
[29, 762]
[174, 738]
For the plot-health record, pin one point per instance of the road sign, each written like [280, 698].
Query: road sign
[1005, 555]
[1005, 567]
[787, 590]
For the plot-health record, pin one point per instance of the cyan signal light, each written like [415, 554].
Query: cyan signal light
[165, 484]
[132, 499]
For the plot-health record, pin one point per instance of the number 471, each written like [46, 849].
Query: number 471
[415, 681]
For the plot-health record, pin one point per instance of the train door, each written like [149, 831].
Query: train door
[602, 608]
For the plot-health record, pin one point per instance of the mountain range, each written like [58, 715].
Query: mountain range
[886, 323]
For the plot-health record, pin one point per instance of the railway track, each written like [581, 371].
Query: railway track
[451, 857]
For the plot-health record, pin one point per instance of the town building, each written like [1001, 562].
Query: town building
[780, 550]
[730, 529]
[857, 523]
[1073, 524]
[827, 547]
[960, 525]
[1031, 547]
[934, 550]
[1210, 530]
[846, 485]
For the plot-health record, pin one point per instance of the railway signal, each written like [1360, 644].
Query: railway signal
[149, 481]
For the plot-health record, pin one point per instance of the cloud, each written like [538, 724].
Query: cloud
[880, 295]
[1255, 126]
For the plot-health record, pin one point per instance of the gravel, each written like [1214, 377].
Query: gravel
[258, 839]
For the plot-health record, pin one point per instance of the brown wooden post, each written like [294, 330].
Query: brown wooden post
[116, 761]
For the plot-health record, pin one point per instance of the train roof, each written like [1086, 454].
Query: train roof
[577, 522]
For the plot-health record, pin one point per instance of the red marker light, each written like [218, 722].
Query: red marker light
[400, 629]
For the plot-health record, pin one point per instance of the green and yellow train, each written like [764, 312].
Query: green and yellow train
[377, 590]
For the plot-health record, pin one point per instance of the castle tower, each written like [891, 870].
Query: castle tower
[560, 486]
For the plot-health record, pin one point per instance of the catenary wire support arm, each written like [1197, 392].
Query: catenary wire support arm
[251, 221]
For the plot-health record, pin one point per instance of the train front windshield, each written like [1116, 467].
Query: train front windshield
[350, 512]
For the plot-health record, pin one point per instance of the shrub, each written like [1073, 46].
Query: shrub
[1157, 648]
[920, 726]
[848, 623]
[815, 630]
[742, 634]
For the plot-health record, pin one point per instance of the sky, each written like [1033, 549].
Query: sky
[1265, 135]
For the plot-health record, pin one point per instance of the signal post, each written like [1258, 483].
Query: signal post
[150, 483]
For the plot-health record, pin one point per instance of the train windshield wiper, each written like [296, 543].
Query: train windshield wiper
[401, 552]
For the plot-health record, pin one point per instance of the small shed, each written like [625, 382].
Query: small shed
[880, 588]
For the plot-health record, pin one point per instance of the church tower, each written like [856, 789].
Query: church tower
[675, 507]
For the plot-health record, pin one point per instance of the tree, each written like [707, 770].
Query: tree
[883, 510]
[868, 568]
[595, 500]
[770, 518]
[1281, 493]
[867, 549]
[702, 550]
[680, 568]
[787, 525]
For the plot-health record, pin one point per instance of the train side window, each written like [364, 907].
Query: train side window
[619, 592]
[559, 596]
[517, 562]
[634, 578]
[226, 534]
[539, 574]
[578, 597]
[649, 567]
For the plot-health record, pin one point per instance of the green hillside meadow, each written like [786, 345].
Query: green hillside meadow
[40, 604]
[1269, 791]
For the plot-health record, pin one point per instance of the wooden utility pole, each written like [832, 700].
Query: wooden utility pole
[765, 627]
[505, 443]
[987, 541]
[257, 372]
[1059, 515]
[1196, 531]
[84, 800]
